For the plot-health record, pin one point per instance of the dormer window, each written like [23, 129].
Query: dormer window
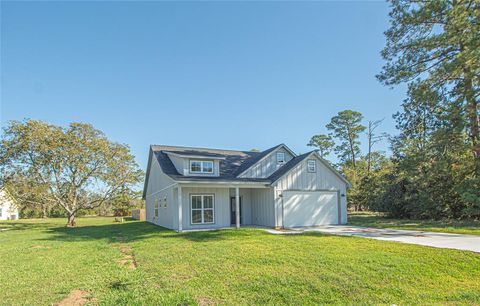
[280, 157]
[201, 166]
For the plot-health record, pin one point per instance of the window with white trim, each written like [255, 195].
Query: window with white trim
[202, 208]
[280, 157]
[156, 208]
[312, 165]
[201, 166]
[165, 202]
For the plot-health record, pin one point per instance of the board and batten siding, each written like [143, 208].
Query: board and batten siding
[157, 190]
[263, 207]
[221, 207]
[299, 178]
[268, 165]
[246, 196]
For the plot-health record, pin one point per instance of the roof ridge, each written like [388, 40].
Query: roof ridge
[202, 148]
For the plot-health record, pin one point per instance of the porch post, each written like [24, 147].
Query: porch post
[180, 208]
[237, 207]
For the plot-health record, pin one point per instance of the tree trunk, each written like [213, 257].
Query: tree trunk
[44, 211]
[472, 111]
[369, 155]
[71, 220]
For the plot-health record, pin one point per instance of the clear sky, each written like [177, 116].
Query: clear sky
[234, 75]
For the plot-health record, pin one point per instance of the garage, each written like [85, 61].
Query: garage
[310, 208]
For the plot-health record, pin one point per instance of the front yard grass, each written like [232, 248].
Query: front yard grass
[372, 219]
[137, 263]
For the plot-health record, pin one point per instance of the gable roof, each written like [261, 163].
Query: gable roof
[261, 156]
[288, 166]
[233, 163]
[295, 161]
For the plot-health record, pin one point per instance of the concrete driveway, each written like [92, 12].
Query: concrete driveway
[432, 239]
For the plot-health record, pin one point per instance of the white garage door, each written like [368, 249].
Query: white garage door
[310, 208]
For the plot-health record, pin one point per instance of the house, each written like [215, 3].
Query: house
[199, 188]
[8, 207]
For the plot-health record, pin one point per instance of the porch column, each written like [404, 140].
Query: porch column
[237, 207]
[180, 222]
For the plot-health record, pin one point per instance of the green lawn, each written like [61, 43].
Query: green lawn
[41, 262]
[447, 226]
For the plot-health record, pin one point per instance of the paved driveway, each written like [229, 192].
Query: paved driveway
[437, 240]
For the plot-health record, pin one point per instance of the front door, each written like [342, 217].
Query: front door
[233, 217]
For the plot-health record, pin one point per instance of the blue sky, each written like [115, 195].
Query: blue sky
[237, 75]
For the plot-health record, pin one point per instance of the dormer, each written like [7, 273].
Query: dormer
[195, 164]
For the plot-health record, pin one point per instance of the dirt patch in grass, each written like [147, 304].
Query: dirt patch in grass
[40, 247]
[76, 297]
[128, 258]
[205, 301]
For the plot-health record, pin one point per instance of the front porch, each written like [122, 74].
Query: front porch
[215, 207]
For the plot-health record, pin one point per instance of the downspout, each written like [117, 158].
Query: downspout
[283, 210]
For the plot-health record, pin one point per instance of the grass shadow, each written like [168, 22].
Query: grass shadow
[15, 226]
[138, 230]
[213, 235]
[116, 232]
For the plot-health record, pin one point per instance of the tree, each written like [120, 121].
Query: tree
[372, 139]
[323, 143]
[346, 127]
[436, 43]
[78, 167]
[432, 175]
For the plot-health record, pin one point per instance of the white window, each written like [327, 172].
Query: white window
[165, 202]
[202, 208]
[156, 208]
[312, 165]
[201, 166]
[280, 157]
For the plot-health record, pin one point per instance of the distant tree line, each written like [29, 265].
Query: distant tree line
[434, 171]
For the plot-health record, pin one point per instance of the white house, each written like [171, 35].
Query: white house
[8, 208]
[198, 188]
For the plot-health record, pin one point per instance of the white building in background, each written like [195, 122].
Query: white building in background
[8, 208]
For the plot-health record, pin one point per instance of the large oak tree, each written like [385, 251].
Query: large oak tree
[75, 167]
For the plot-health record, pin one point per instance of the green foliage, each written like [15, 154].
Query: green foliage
[435, 47]
[346, 128]
[75, 168]
[323, 143]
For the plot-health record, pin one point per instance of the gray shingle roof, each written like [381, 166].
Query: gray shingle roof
[235, 162]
